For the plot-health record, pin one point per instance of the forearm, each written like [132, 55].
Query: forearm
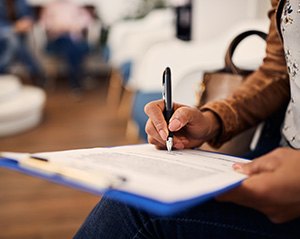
[244, 110]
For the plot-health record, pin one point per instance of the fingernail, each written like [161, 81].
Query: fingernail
[238, 167]
[182, 140]
[174, 125]
[163, 134]
[179, 145]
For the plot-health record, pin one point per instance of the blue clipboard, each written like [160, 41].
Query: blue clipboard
[147, 204]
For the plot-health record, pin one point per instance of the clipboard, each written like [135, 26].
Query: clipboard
[111, 189]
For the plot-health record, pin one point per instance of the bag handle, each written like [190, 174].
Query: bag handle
[229, 65]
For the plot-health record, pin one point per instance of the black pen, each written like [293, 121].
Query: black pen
[167, 96]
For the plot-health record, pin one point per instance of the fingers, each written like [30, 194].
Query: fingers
[157, 144]
[183, 122]
[153, 136]
[180, 118]
[266, 163]
[257, 166]
[154, 110]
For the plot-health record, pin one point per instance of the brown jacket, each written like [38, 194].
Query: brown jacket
[264, 91]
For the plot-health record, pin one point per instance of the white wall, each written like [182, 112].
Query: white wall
[43, 2]
[214, 17]
[262, 8]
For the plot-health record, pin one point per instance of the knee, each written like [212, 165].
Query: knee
[105, 218]
[108, 208]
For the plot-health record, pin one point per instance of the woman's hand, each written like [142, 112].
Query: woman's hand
[273, 186]
[191, 127]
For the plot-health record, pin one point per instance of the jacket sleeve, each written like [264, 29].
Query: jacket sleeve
[263, 92]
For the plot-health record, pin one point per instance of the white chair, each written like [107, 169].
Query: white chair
[129, 40]
[21, 107]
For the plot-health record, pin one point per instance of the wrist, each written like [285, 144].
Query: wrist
[214, 122]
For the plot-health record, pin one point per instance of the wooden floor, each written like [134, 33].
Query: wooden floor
[32, 208]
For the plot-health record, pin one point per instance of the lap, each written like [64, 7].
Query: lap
[112, 219]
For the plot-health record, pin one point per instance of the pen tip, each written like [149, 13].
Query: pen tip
[169, 144]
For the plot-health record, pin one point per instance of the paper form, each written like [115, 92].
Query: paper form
[158, 174]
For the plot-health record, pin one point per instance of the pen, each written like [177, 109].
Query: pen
[167, 96]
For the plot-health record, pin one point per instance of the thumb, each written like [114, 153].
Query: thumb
[263, 164]
[181, 117]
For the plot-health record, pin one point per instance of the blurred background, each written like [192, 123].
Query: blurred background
[77, 74]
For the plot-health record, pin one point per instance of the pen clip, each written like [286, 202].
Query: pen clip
[163, 88]
[167, 89]
[101, 180]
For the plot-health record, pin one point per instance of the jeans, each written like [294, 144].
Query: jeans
[73, 52]
[14, 48]
[8, 47]
[114, 220]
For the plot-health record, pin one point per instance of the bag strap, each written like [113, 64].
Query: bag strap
[229, 65]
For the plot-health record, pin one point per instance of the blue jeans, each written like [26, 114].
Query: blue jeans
[14, 48]
[73, 52]
[114, 220]
[8, 47]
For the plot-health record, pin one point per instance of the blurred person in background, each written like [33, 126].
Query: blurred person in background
[16, 21]
[66, 23]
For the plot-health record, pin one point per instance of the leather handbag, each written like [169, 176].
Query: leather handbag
[220, 84]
